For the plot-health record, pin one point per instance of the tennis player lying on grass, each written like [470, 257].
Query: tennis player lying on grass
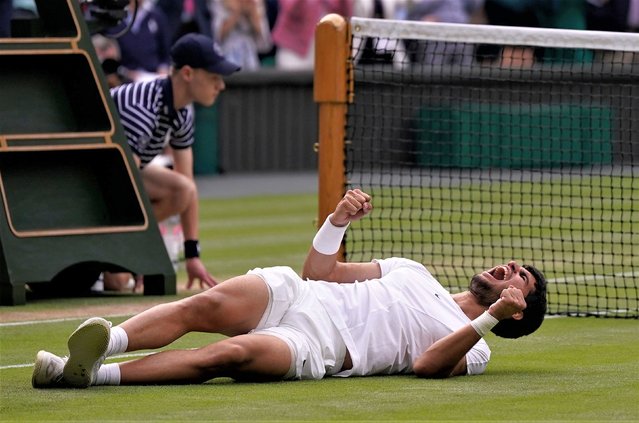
[398, 319]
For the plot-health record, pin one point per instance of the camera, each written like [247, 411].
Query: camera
[103, 14]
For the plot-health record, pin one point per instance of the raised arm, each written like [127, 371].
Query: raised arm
[321, 262]
[447, 356]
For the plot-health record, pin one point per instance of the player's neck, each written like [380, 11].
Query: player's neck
[469, 305]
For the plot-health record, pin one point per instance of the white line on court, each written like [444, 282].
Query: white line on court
[65, 319]
[21, 366]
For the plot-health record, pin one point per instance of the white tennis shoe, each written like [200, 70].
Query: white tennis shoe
[47, 371]
[87, 351]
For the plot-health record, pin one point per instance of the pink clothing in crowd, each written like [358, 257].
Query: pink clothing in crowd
[297, 19]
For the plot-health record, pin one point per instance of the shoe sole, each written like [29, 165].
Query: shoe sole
[87, 345]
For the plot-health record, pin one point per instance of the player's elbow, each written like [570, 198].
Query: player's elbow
[311, 272]
[437, 370]
[319, 269]
[427, 372]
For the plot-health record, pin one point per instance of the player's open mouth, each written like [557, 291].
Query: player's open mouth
[499, 272]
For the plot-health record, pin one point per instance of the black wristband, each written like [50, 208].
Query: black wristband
[191, 248]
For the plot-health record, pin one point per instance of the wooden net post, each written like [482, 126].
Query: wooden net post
[333, 74]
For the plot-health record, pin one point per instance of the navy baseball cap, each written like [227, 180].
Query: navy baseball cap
[200, 52]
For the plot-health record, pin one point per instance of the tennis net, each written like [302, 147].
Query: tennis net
[484, 144]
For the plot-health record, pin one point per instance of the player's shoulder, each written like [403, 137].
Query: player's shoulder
[395, 263]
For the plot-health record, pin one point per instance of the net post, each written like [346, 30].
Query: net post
[331, 93]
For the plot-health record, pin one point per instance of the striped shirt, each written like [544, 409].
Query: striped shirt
[149, 119]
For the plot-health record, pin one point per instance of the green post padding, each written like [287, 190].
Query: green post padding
[205, 149]
[515, 135]
[72, 203]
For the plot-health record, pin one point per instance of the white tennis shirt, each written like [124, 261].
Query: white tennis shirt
[387, 323]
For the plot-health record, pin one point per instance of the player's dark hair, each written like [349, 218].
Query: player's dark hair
[533, 313]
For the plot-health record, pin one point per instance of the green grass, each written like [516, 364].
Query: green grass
[240, 234]
[571, 369]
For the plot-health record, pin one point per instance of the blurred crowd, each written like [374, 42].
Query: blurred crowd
[279, 33]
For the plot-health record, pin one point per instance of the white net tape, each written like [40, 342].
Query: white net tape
[485, 34]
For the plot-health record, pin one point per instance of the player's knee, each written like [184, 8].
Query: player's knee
[227, 358]
[202, 307]
[185, 190]
[236, 353]
[180, 193]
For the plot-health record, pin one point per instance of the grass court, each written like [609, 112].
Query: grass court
[571, 369]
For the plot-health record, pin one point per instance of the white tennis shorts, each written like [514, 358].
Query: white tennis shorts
[296, 316]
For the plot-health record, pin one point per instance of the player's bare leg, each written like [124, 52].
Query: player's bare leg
[231, 308]
[245, 357]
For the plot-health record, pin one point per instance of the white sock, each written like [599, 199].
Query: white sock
[108, 374]
[118, 341]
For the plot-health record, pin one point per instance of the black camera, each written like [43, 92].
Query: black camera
[103, 14]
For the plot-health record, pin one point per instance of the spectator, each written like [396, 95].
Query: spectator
[633, 16]
[607, 15]
[185, 16]
[108, 53]
[452, 11]
[294, 31]
[105, 48]
[113, 73]
[569, 14]
[6, 8]
[241, 28]
[272, 9]
[378, 50]
[449, 11]
[613, 15]
[144, 48]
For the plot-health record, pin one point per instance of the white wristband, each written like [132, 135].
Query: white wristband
[329, 237]
[484, 323]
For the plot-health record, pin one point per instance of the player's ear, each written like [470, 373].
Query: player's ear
[518, 316]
